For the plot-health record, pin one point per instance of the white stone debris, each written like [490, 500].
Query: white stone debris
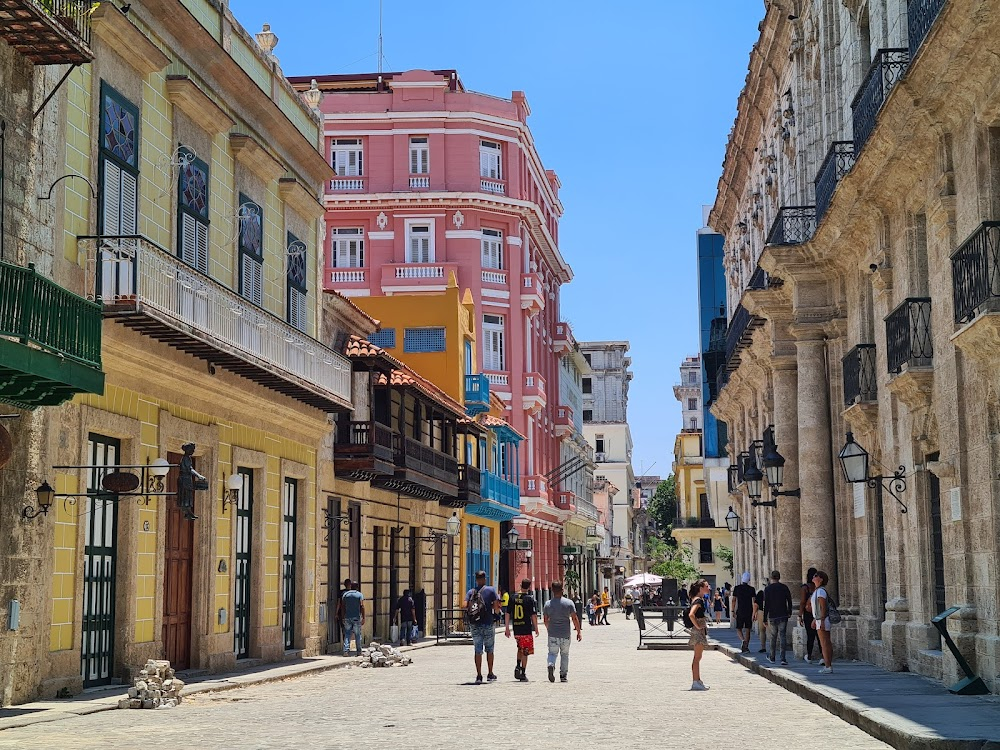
[378, 655]
[154, 687]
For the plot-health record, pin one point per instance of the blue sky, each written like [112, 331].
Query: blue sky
[631, 105]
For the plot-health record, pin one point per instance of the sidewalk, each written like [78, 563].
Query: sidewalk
[106, 698]
[902, 709]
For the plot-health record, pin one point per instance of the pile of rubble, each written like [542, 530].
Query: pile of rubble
[154, 687]
[377, 655]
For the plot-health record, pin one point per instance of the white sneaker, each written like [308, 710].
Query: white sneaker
[826, 670]
[699, 685]
[807, 660]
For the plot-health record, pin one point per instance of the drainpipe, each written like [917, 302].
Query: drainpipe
[3, 193]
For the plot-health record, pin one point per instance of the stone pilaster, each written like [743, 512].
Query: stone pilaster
[788, 547]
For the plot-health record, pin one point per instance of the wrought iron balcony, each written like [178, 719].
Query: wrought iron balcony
[920, 16]
[50, 340]
[838, 162]
[885, 71]
[48, 32]
[738, 334]
[975, 273]
[477, 394]
[793, 225]
[758, 280]
[706, 558]
[145, 287]
[860, 381]
[908, 335]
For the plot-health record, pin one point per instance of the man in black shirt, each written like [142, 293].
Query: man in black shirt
[743, 601]
[522, 614]
[406, 609]
[777, 610]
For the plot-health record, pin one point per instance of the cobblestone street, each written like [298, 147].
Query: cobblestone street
[616, 694]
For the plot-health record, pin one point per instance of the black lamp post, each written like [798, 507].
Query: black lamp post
[774, 467]
[854, 461]
[734, 524]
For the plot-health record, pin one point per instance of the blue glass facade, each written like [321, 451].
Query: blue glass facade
[711, 307]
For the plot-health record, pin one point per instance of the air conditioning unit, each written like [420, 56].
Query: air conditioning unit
[600, 457]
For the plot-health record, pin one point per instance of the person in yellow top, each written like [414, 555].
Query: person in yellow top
[504, 601]
[627, 602]
[605, 606]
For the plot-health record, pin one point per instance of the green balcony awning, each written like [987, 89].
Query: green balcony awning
[30, 377]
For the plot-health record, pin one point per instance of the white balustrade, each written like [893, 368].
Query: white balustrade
[136, 270]
[495, 277]
[492, 186]
[419, 272]
[498, 378]
[420, 182]
[348, 183]
[347, 277]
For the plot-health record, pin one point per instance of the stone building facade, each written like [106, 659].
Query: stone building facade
[859, 186]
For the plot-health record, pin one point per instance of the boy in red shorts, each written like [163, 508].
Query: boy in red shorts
[522, 615]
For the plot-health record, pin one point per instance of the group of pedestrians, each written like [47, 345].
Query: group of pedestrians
[769, 609]
[598, 606]
[558, 615]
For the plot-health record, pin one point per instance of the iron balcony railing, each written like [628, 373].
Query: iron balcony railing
[885, 71]
[695, 522]
[860, 381]
[35, 310]
[838, 162]
[908, 335]
[920, 16]
[48, 32]
[975, 273]
[758, 280]
[500, 490]
[793, 225]
[133, 273]
[706, 558]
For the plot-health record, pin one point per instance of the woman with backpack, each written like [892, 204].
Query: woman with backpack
[821, 619]
[696, 622]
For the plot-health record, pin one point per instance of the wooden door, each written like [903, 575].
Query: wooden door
[177, 578]
[244, 559]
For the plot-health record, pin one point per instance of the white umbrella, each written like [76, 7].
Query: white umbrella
[644, 579]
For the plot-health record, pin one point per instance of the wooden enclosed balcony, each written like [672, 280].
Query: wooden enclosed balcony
[422, 472]
[469, 487]
[363, 450]
[48, 32]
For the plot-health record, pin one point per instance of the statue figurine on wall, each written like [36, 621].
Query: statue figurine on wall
[188, 480]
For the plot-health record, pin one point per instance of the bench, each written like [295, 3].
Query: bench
[662, 631]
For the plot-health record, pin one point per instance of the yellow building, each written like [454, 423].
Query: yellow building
[435, 335]
[698, 525]
[193, 220]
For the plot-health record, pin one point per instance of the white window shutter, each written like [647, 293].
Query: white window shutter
[414, 160]
[129, 223]
[484, 163]
[251, 280]
[112, 199]
[189, 239]
[202, 247]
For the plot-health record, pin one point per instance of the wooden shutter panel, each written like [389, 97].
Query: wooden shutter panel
[129, 222]
[202, 247]
[189, 239]
[414, 160]
[111, 220]
[251, 280]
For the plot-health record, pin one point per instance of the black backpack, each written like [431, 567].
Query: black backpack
[686, 617]
[476, 608]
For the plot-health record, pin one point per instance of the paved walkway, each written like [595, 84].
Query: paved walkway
[616, 696]
[905, 710]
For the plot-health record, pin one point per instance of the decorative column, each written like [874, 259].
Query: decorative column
[788, 547]
[816, 509]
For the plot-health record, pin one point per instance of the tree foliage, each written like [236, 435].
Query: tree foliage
[663, 507]
[727, 557]
[669, 561]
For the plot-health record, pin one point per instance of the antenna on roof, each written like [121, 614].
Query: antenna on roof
[379, 36]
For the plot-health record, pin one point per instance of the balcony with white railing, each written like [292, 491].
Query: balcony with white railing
[143, 286]
[419, 182]
[498, 380]
[496, 187]
[422, 277]
[534, 392]
[532, 294]
[564, 422]
[346, 277]
[495, 278]
[563, 342]
[341, 184]
[587, 509]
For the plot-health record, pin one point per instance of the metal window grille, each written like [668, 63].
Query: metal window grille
[416, 340]
[385, 339]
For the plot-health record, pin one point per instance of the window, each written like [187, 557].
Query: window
[348, 248]
[692, 403]
[489, 160]
[419, 248]
[599, 444]
[419, 156]
[295, 280]
[251, 245]
[693, 423]
[118, 212]
[705, 551]
[386, 338]
[588, 385]
[588, 415]
[493, 354]
[346, 157]
[192, 211]
[417, 340]
[492, 248]
[587, 357]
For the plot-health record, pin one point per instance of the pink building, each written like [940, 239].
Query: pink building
[433, 179]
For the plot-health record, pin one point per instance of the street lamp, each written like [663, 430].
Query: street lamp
[44, 496]
[754, 478]
[774, 467]
[854, 462]
[733, 523]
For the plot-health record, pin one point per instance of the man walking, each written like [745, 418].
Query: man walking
[745, 611]
[353, 607]
[558, 613]
[522, 614]
[406, 608]
[777, 610]
[481, 604]
[605, 606]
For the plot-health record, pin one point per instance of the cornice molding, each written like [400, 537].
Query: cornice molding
[196, 104]
[114, 28]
